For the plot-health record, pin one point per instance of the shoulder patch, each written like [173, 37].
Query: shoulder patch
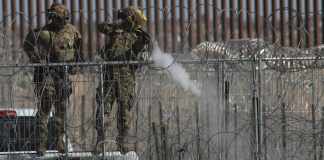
[71, 28]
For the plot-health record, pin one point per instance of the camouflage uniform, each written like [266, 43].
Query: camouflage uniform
[126, 42]
[56, 42]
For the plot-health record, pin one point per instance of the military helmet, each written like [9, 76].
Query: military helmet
[133, 15]
[57, 11]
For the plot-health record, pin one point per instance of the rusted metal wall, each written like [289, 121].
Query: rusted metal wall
[179, 25]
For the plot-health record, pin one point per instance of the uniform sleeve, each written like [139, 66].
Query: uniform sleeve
[147, 41]
[29, 46]
[105, 28]
[145, 46]
[78, 56]
[78, 42]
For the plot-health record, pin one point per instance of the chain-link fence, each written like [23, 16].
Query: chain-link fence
[247, 99]
[244, 111]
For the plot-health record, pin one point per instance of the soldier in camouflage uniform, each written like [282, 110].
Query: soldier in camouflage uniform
[126, 42]
[55, 42]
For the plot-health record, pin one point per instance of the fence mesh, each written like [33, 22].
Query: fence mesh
[239, 114]
[258, 98]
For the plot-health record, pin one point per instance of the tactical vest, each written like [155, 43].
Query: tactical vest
[120, 46]
[61, 45]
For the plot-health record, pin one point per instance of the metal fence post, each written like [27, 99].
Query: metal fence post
[157, 20]
[149, 141]
[226, 118]
[255, 114]
[165, 13]
[90, 30]
[199, 156]
[178, 131]
[314, 134]
[322, 135]
[163, 135]
[313, 115]
[224, 23]
[274, 21]
[102, 114]
[22, 18]
[283, 131]
[83, 122]
[241, 19]
[156, 139]
[66, 145]
[260, 109]
[235, 133]
[208, 130]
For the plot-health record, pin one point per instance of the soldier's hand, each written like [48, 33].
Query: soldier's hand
[106, 27]
[78, 70]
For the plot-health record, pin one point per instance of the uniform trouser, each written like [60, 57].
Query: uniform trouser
[52, 91]
[119, 87]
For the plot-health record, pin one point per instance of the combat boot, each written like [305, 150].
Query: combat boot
[99, 144]
[41, 149]
[60, 145]
[126, 147]
[125, 144]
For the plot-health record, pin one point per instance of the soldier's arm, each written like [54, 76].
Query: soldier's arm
[78, 41]
[146, 45]
[147, 41]
[78, 56]
[105, 27]
[29, 46]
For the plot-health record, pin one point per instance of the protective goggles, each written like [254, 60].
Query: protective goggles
[122, 14]
[53, 15]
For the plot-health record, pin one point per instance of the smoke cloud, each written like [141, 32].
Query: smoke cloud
[176, 70]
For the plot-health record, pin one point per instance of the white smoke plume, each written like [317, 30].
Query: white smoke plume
[176, 70]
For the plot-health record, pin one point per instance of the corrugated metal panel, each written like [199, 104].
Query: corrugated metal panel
[257, 18]
[274, 21]
[39, 7]
[289, 22]
[232, 17]
[292, 22]
[74, 12]
[14, 34]
[174, 26]
[300, 39]
[165, 24]
[266, 23]
[191, 22]
[22, 20]
[317, 21]
[5, 13]
[308, 24]
[90, 28]
[249, 19]
[31, 17]
[157, 19]
[81, 26]
[182, 23]
[149, 17]
[225, 26]
[198, 20]
[99, 18]
[283, 23]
